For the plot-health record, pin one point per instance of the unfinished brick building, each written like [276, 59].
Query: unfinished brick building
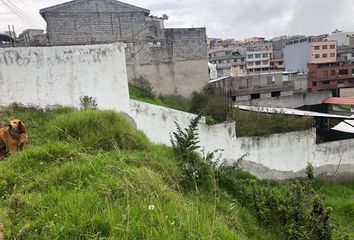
[173, 60]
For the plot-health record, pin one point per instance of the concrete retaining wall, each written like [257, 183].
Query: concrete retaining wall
[60, 75]
[279, 156]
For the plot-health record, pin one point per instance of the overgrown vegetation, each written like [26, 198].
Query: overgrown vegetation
[88, 102]
[210, 102]
[253, 124]
[71, 182]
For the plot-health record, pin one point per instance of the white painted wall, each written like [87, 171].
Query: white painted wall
[278, 156]
[48, 76]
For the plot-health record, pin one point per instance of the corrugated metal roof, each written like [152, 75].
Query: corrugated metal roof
[288, 111]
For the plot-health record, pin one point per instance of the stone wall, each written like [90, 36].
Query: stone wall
[279, 156]
[61, 75]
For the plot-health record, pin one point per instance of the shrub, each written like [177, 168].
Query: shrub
[106, 130]
[210, 102]
[88, 103]
[198, 170]
[310, 171]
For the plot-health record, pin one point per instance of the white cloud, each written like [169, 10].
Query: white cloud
[224, 18]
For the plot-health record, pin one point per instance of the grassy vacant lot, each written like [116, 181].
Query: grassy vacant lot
[211, 104]
[251, 124]
[90, 175]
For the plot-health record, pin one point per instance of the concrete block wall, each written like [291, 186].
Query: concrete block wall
[147, 41]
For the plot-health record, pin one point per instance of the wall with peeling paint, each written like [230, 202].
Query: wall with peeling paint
[279, 156]
[60, 75]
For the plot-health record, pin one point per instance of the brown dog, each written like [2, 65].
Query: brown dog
[13, 137]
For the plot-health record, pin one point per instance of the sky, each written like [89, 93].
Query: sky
[237, 19]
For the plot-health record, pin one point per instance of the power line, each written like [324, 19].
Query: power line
[20, 13]
[24, 9]
[24, 12]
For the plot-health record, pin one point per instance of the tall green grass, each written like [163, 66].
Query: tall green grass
[71, 182]
[106, 130]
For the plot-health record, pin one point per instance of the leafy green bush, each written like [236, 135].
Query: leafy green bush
[210, 102]
[88, 103]
[106, 130]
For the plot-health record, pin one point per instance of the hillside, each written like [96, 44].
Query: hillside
[91, 175]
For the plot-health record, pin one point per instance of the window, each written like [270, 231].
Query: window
[317, 47]
[220, 61]
[325, 82]
[325, 74]
[241, 67]
[343, 72]
[332, 55]
[276, 94]
[340, 81]
[324, 47]
[265, 62]
[250, 56]
[255, 96]
[332, 73]
[235, 60]
[250, 64]
[258, 55]
[258, 63]
[353, 71]
[332, 46]
[317, 56]
[325, 55]
[270, 80]
[351, 80]
[314, 84]
[265, 55]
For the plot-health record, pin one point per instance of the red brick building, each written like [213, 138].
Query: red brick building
[330, 76]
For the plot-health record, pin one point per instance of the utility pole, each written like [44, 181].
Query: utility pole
[11, 43]
[13, 28]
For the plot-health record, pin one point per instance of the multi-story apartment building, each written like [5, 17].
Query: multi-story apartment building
[300, 52]
[259, 60]
[330, 76]
[228, 59]
[32, 37]
[259, 57]
[222, 44]
[342, 38]
[278, 43]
